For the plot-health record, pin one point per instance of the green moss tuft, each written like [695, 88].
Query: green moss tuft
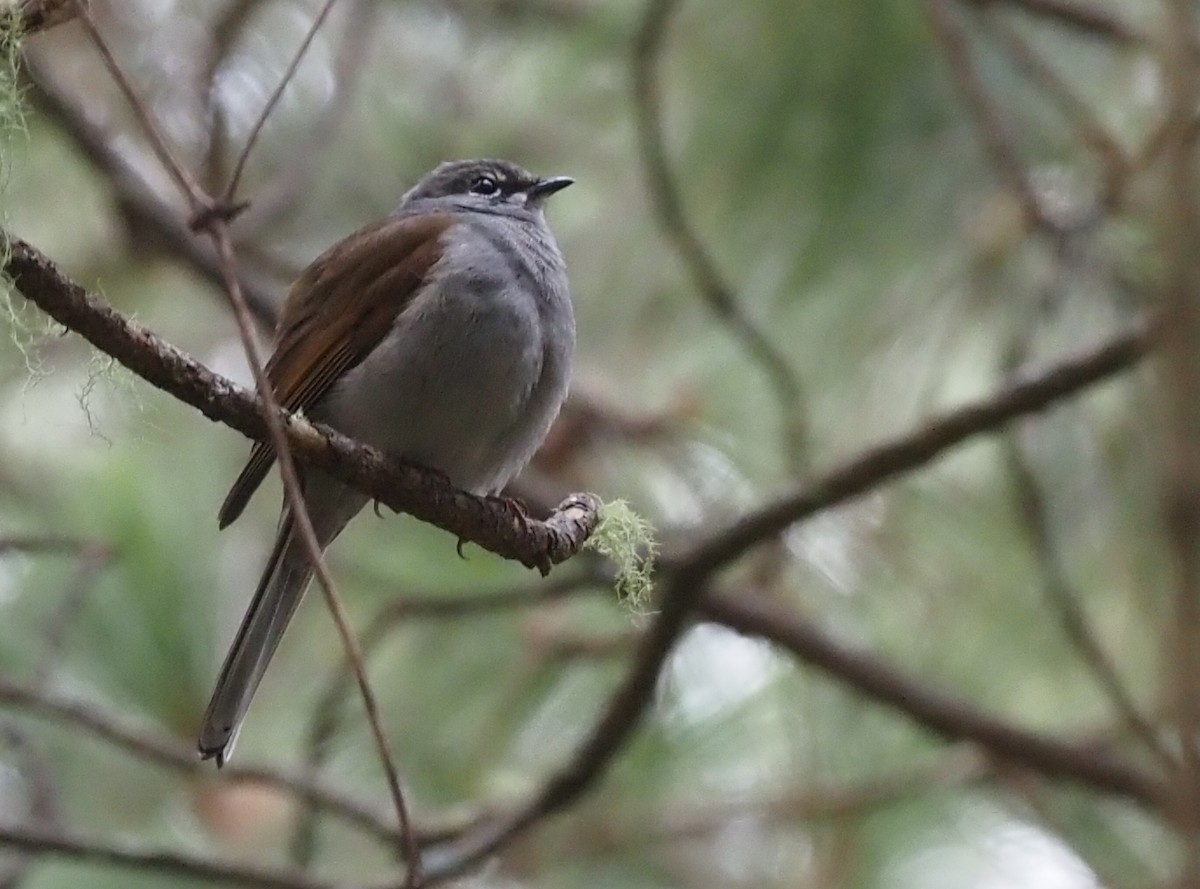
[628, 540]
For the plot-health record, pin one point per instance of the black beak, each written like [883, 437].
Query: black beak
[543, 188]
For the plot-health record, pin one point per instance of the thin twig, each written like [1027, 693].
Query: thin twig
[873, 467]
[712, 287]
[46, 543]
[230, 193]
[326, 716]
[153, 223]
[1065, 600]
[116, 853]
[293, 493]
[951, 718]
[158, 142]
[1091, 132]
[997, 140]
[94, 723]
[277, 197]
[1086, 18]
[92, 560]
[215, 222]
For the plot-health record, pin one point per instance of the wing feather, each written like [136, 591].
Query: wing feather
[336, 312]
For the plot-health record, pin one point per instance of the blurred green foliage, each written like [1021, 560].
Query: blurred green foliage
[825, 158]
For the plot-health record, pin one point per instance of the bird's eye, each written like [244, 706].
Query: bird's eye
[484, 185]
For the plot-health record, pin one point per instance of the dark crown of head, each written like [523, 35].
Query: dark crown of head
[458, 177]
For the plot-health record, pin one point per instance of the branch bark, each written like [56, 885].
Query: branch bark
[940, 713]
[495, 525]
[874, 466]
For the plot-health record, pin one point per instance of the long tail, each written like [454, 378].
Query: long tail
[279, 592]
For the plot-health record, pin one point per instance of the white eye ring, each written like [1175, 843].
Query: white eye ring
[484, 185]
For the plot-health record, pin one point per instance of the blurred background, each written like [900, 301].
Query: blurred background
[799, 229]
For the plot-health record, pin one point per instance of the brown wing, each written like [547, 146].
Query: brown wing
[338, 310]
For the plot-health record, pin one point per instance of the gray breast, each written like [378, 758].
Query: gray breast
[476, 368]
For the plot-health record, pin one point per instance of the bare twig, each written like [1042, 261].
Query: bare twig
[277, 197]
[92, 560]
[1091, 132]
[46, 543]
[116, 853]
[239, 167]
[158, 142]
[873, 467]
[293, 492]
[1065, 600]
[213, 218]
[94, 723]
[939, 713]
[327, 713]
[1086, 18]
[997, 140]
[226, 28]
[712, 287]
[152, 221]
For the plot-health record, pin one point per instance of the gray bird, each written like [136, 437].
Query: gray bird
[443, 334]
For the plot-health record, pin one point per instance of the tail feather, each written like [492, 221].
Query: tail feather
[247, 482]
[279, 592]
[330, 506]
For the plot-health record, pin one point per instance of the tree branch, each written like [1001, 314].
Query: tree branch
[239, 167]
[1086, 18]
[998, 142]
[1067, 604]
[494, 525]
[168, 753]
[877, 465]
[684, 577]
[118, 854]
[940, 713]
[713, 288]
[151, 220]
